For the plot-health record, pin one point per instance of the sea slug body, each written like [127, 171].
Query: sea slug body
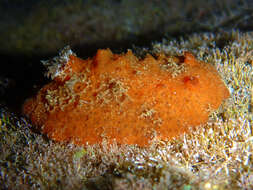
[123, 98]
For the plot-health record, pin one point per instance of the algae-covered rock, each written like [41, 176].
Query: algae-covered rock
[216, 156]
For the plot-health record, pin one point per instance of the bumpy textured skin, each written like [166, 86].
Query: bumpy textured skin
[124, 98]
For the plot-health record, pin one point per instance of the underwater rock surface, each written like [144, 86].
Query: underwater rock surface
[215, 156]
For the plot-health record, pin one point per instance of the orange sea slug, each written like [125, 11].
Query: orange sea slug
[121, 97]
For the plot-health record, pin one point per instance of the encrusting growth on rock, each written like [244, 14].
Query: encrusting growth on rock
[118, 96]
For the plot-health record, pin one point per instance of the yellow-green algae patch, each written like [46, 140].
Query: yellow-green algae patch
[216, 156]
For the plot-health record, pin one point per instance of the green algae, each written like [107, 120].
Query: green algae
[79, 154]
